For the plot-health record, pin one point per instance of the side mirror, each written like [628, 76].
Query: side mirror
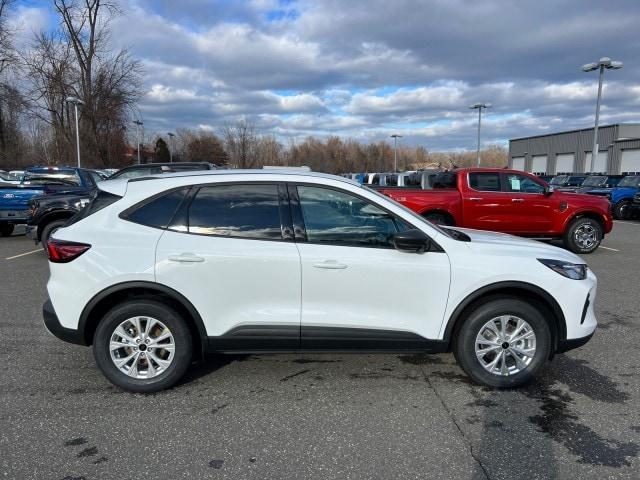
[414, 241]
[549, 190]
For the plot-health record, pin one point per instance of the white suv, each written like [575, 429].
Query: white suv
[157, 271]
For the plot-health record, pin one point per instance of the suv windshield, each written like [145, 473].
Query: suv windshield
[629, 182]
[595, 181]
[559, 180]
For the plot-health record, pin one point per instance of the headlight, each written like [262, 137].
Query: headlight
[575, 271]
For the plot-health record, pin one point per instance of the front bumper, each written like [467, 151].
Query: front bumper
[566, 345]
[52, 324]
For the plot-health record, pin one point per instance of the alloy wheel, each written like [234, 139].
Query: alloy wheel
[505, 345]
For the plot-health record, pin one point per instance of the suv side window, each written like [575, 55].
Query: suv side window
[484, 182]
[522, 184]
[159, 211]
[244, 211]
[339, 218]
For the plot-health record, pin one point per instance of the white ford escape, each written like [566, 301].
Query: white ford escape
[157, 271]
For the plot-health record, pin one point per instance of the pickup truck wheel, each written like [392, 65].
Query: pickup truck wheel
[583, 235]
[49, 229]
[439, 218]
[503, 343]
[143, 346]
[6, 229]
[622, 210]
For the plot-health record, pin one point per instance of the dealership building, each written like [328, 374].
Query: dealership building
[569, 152]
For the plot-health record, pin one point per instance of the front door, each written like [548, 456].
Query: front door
[229, 255]
[358, 292]
[531, 208]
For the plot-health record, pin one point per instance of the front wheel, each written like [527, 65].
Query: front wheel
[622, 210]
[503, 343]
[583, 235]
[143, 346]
[6, 229]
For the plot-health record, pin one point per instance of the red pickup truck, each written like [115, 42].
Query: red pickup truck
[511, 201]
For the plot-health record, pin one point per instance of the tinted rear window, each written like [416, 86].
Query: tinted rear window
[246, 211]
[485, 182]
[159, 211]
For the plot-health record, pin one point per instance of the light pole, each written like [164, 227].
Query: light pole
[602, 64]
[76, 101]
[138, 125]
[171, 135]
[395, 137]
[479, 106]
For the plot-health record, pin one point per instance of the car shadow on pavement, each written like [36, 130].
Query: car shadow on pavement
[208, 365]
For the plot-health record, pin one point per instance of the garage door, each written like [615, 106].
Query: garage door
[600, 164]
[517, 163]
[564, 163]
[539, 164]
[630, 160]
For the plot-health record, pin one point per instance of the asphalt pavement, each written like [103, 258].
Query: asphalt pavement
[320, 416]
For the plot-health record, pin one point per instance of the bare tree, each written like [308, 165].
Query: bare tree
[107, 83]
[240, 143]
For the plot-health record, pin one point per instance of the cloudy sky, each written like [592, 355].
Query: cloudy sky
[366, 69]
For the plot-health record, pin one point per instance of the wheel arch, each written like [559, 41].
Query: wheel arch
[521, 290]
[103, 301]
[440, 211]
[586, 214]
[52, 217]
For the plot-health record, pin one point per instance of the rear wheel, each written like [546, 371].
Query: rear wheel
[622, 210]
[143, 346]
[6, 229]
[503, 343]
[439, 218]
[49, 229]
[583, 235]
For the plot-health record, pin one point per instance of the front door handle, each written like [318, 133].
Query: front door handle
[186, 258]
[330, 265]
[517, 200]
[475, 199]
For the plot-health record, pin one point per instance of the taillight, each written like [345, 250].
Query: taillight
[61, 251]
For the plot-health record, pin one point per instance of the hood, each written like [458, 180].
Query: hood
[510, 245]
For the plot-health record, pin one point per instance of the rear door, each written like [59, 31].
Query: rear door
[230, 251]
[485, 205]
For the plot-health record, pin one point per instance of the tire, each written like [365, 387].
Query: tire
[464, 347]
[439, 218]
[164, 377]
[583, 235]
[622, 210]
[48, 229]
[6, 229]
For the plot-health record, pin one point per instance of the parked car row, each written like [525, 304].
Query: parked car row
[46, 197]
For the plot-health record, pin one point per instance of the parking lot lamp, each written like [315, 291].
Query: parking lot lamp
[602, 64]
[171, 145]
[395, 137]
[76, 101]
[138, 125]
[479, 106]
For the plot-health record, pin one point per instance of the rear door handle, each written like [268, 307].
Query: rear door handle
[517, 200]
[186, 258]
[330, 265]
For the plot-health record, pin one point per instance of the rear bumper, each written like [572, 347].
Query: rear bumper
[52, 324]
[566, 345]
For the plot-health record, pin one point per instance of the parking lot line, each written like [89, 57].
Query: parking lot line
[23, 254]
[609, 248]
[626, 223]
